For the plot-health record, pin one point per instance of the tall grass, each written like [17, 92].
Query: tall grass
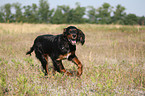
[113, 58]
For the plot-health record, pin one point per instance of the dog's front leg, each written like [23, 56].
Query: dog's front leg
[79, 64]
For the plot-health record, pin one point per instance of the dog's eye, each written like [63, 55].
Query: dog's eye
[72, 30]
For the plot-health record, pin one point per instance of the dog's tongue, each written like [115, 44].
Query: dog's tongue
[73, 42]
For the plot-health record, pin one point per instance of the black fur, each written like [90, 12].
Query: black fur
[57, 46]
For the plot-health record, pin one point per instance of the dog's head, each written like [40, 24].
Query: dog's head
[74, 35]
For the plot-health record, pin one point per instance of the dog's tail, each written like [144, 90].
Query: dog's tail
[31, 50]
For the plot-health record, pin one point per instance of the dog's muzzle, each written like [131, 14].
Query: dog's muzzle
[72, 41]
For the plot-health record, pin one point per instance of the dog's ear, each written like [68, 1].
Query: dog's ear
[81, 37]
[65, 31]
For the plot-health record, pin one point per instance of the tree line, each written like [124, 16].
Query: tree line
[42, 13]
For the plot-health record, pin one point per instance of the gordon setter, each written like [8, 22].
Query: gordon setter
[58, 48]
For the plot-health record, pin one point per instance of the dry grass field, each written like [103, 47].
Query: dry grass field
[113, 58]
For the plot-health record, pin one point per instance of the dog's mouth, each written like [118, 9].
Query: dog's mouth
[72, 41]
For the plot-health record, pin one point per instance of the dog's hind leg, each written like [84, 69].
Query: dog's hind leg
[43, 59]
[59, 67]
[46, 67]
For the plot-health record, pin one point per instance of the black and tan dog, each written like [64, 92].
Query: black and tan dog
[59, 47]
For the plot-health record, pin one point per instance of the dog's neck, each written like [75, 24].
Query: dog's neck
[64, 38]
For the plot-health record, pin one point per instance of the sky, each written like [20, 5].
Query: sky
[132, 6]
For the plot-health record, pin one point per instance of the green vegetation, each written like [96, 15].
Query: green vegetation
[113, 58]
[63, 14]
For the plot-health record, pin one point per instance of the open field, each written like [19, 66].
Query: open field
[113, 58]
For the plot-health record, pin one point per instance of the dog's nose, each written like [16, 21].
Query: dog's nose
[74, 36]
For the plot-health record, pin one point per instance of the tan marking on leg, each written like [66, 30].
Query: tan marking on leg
[80, 66]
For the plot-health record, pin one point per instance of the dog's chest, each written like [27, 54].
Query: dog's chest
[65, 48]
[65, 56]
[65, 52]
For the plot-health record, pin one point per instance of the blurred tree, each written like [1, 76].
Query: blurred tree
[79, 12]
[1, 15]
[28, 14]
[119, 15]
[70, 18]
[76, 15]
[44, 12]
[34, 8]
[141, 20]
[18, 15]
[57, 17]
[35, 15]
[104, 14]
[64, 14]
[65, 11]
[7, 13]
[31, 14]
[131, 19]
[92, 15]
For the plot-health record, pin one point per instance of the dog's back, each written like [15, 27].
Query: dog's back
[46, 43]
